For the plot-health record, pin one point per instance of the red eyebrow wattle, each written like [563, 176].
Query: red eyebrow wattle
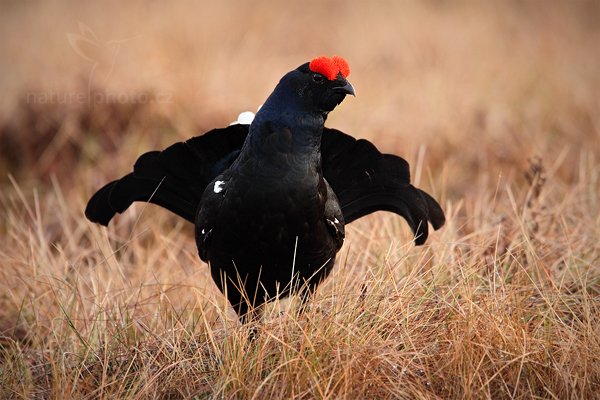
[330, 67]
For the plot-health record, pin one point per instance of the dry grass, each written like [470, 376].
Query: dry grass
[497, 108]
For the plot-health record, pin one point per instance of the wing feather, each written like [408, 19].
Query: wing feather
[174, 178]
[365, 181]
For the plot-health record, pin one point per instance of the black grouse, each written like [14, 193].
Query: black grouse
[269, 200]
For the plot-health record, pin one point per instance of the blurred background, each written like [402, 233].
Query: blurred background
[457, 87]
[495, 104]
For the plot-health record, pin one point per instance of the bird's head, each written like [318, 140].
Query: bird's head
[321, 84]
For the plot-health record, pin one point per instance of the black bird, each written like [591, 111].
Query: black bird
[269, 200]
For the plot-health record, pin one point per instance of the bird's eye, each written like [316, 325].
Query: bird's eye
[318, 78]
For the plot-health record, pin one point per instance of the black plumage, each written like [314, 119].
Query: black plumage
[270, 200]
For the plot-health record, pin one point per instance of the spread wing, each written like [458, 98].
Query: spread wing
[174, 178]
[364, 179]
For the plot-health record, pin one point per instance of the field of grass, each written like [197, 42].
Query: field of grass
[496, 105]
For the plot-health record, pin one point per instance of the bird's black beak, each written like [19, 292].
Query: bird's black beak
[344, 88]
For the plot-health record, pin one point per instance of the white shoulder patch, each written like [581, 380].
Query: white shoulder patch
[218, 186]
[244, 118]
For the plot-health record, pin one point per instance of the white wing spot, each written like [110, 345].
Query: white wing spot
[336, 220]
[203, 231]
[218, 186]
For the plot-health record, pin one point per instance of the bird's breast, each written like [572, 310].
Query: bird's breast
[273, 208]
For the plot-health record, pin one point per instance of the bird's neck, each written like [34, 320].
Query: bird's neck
[285, 125]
